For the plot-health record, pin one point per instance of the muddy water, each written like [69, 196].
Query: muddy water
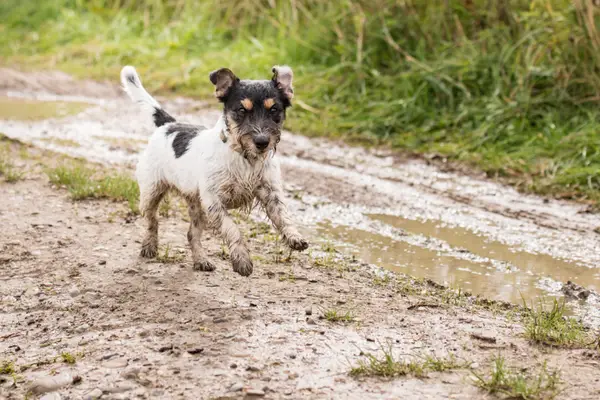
[526, 275]
[35, 110]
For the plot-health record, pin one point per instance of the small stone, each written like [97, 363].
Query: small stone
[50, 384]
[102, 262]
[51, 396]
[310, 321]
[255, 392]
[252, 368]
[74, 292]
[292, 356]
[308, 310]
[233, 366]
[236, 387]
[82, 328]
[116, 363]
[93, 395]
[195, 350]
[168, 347]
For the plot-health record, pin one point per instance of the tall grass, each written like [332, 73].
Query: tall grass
[510, 86]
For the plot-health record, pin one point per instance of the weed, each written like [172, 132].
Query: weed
[167, 256]
[259, 228]
[554, 328]
[68, 358]
[84, 183]
[7, 368]
[440, 364]
[8, 171]
[333, 315]
[519, 385]
[387, 366]
[382, 280]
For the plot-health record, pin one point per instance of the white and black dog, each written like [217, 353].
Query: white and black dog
[226, 167]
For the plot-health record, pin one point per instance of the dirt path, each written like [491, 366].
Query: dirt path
[72, 283]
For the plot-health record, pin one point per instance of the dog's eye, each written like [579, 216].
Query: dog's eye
[274, 110]
[241, 111]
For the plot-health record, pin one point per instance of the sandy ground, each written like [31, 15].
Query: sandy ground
[72, 282]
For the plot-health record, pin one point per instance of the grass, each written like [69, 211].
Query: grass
[7, 368]
[68, 358]
[519, 385]
[552, 327]
[84, 183]
[167, 256]
[8, 171]
[509, 87]
[334, 315]
[61, 142]
[387, 366]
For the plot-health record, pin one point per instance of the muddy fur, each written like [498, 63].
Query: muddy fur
[232, 165]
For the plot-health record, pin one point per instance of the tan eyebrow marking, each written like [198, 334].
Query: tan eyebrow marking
[247, 103]
[269, 103]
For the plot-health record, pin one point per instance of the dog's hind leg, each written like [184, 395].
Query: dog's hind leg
[219, 219]
[150, 198]
[194, 235]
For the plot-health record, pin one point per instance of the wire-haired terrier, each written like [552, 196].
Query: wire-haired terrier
[226, 167]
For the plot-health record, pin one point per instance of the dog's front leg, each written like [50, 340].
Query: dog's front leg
[270, 195]
[219, 219]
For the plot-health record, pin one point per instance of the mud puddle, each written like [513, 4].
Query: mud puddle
[21, 109]
[527, 276]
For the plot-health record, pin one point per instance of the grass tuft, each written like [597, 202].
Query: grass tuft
[517, 384]
[85, 183]
[8, 171]
[333, 315]
[68, 358]
[168, 256]
[553, 328]
[7, 368]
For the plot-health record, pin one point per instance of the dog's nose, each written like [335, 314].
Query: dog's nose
[261, 142]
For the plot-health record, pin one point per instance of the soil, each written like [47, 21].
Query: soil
[74, 286]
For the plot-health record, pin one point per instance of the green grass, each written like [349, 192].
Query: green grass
[8, 171]
[334, 315]
[509, 87]
[387, 366]
[168, 256]
[517, 384]
[84, 183]
[7, 368]
[68, 358]
[552, 327]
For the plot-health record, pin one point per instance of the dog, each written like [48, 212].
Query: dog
[229, 166]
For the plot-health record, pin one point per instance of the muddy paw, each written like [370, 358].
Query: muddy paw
[149, 251]
[242, 266]
[204, 265]
[297, 243]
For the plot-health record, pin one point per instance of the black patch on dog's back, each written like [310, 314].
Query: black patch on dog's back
[185, 133]
[131, 79]
[161, 117]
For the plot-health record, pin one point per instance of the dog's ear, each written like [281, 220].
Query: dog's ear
[224, 80]
[282, 77]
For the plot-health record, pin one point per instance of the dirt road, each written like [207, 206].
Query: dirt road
[72, 284]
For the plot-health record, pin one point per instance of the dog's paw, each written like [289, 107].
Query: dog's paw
[204, 265]
[149, 250]
[297, 243]
[242, 265]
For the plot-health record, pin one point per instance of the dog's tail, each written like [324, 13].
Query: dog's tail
[132, 85]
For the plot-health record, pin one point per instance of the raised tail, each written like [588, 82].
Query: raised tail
[132, 85]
